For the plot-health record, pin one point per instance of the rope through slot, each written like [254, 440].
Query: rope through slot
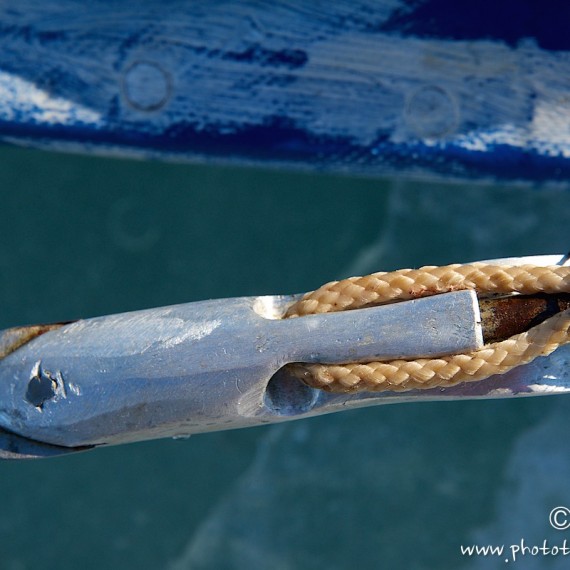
[402, 375]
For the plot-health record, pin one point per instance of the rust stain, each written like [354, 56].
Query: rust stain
[504, 317]
[14, 338]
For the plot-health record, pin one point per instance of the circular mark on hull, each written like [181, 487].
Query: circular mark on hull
[146, 86]
[431, 112]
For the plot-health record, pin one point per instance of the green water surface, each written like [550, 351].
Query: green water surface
[387, 487]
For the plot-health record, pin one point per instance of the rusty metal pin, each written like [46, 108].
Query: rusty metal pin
[504, 317]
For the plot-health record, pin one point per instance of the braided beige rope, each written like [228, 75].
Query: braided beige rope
[402, 375]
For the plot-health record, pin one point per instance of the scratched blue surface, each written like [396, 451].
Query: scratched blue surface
[289, 84]
[393, 487]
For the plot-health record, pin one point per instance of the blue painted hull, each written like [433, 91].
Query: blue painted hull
[368, 87]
